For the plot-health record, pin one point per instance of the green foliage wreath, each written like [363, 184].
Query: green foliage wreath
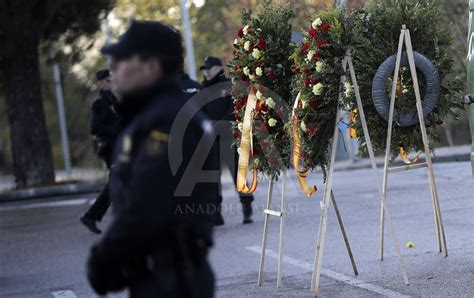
[373, 36]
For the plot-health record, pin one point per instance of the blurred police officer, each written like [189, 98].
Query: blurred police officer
[105, 127]
[158, 240]
[220, 111]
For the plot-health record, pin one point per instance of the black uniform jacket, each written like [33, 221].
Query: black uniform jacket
[152, 181]
[222, 107]
[105, 122]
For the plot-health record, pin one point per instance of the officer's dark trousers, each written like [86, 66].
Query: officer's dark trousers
[102, 203]
[169, 283]
[229, 158]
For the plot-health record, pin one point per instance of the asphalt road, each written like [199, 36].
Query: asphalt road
[43, 247]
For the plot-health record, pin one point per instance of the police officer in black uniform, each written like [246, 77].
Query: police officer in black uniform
[105, 127]
[158, 240]
[220, 111]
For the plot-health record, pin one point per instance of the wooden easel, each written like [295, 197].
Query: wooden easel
[405, 39]
[268, 211]
[280, 214]
[328, 194]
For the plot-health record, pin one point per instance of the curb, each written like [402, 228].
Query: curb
[51, 191]
[365, 163]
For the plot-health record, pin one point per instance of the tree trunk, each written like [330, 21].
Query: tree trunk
[31, 149]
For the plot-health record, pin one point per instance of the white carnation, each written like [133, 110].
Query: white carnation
[320, 66]
[246, 71]
[256, 53]
[247, 45]
[316, 23]
[258, 71]
[240, 126]
[270, 102]
[272, 122]
[310, 55]
[246, 29]
[318, 89]
[259, 94]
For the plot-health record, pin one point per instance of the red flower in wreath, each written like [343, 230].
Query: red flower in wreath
[313, 33]
[322, 43]
[236, 68]
[306, 82]
[316, 56]
[264, 127]
[262, 143]
[439, 122]
[305, 48]
[312, 129]
[237, 134]
[261, 43]
[240, 33]
[306, 70]
[325, 27]
[313, 104]
[260, 63]
[271, 75]
[272, 160]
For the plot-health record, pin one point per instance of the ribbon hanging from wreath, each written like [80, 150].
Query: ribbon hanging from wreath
[246, 148]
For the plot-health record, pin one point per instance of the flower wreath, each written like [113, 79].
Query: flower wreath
[261, 67]
[318, 70]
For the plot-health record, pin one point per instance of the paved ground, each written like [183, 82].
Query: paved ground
[43, 247]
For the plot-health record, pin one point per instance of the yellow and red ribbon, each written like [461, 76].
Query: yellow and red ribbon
[246, 148]
[302, 174]
[404, 156]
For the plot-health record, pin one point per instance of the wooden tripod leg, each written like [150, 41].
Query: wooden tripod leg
[265, 232]
[324, 212]
[436, 212]
[282, 224]
[344, 234]
[391, 229]
[434, 194]
[389, 140]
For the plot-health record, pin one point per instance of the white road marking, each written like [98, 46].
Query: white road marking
[331, 274]
[61, 203]
[64, 294]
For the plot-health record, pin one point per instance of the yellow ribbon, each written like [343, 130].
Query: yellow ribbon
[302, 174]
[246, 148]
[405, 158]
[352, 119]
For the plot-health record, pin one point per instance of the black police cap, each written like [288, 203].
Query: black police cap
[148, 37]
[102, 74]
[210, 62]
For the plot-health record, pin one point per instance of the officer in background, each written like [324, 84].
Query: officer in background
[157, 243]
[220, 110]
[105, 127]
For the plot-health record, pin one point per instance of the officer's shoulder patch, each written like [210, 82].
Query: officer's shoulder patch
[156, 143]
